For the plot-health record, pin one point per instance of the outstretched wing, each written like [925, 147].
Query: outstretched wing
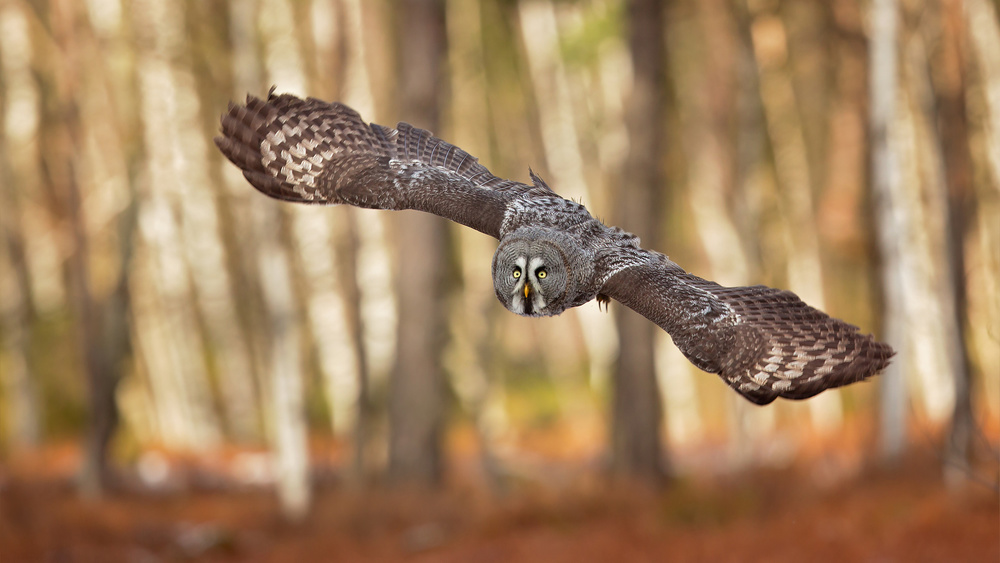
[763, 342]
[310, 151]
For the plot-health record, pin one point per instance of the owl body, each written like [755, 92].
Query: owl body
[559, 235]
[553, 254]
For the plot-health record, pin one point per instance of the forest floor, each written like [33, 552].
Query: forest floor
[795, 513]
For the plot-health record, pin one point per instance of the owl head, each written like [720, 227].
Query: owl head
[536, 272]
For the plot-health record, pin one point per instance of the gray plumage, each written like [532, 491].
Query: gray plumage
[553, 255]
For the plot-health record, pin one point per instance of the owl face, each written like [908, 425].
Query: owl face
[531, 277]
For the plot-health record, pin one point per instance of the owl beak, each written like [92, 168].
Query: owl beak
[527, 289]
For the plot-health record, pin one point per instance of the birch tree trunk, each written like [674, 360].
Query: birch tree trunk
[288, 422]
[164, 315]
[417, 387]
[202, 232]
[890, 220]
[366, 277]
[636, 409]
[289, 431]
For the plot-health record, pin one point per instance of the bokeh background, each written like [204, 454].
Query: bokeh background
[183, 359]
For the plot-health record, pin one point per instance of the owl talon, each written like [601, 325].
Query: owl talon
[603, 300]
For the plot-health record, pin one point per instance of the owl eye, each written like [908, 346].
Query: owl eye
[516, 273]
[541, 273]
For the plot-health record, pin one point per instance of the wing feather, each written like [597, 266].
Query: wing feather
[764, 343]
[311, 151]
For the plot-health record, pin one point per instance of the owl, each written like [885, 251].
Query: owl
[553, 255]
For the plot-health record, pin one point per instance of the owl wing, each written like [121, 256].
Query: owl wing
[311, 151]
[764, 343]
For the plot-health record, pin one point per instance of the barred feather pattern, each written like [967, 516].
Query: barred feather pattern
[311, 151]
[763, 342]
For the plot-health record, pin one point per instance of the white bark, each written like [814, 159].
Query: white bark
[891, 219]
[374, 271]
[206, 259]
[941, 365]
[163, 312]
[289, 432]
[314, 236]
[920, 317]
[288, 421]
[327, 315]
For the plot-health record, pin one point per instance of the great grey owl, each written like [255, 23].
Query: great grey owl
[553, 255]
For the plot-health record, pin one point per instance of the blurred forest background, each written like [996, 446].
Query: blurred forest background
[165, 327]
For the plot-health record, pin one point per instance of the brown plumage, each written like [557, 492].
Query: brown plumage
[764, 343]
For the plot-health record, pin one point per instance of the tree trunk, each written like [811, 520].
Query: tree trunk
[371, 308]
[288, 422]
[637, 412]
[61, 132]
[795, 178]
[289, 429]
[889, 213]
[101, 379]
[21, 402]
[348, 277]
[953, 130]
[417, 387]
